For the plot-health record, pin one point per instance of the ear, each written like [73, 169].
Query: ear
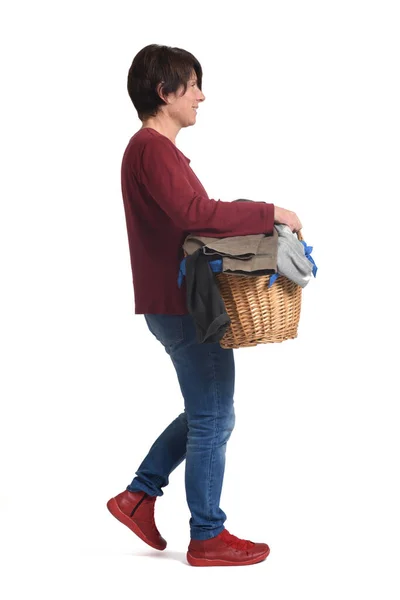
[161, 93]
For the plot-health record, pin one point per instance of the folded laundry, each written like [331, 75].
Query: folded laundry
[240, 254]
[294, 259]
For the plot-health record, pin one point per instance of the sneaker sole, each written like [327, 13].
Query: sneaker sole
[206, 562]
[116, 512]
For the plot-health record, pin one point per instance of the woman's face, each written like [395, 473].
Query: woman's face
[183, 108]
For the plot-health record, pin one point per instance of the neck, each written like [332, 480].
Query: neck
[163, 125]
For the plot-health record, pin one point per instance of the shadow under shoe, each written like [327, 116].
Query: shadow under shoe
[136, 511]
[225, 550]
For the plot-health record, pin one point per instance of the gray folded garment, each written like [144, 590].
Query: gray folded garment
[292, 261]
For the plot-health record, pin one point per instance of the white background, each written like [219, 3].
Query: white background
[302, 109]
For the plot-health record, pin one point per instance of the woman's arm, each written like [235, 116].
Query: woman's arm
[163, 176]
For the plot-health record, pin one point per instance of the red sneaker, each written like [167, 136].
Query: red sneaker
[136, 511]
[225, 550]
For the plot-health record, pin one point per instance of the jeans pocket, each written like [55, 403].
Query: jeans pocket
[168, 329]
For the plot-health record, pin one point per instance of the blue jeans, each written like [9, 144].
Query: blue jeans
[206, 374]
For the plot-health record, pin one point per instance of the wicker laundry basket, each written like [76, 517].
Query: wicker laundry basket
[259, 314]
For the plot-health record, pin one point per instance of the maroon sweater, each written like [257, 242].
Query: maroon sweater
[164, 201]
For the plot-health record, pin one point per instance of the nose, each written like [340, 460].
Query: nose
[202, 97]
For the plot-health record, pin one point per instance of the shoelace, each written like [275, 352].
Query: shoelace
[236, 542]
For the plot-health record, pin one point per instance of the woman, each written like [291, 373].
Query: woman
[163, 202]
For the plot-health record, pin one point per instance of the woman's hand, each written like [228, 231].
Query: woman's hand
[287, 217]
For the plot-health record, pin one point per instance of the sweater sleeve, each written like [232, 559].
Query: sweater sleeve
[163, 176]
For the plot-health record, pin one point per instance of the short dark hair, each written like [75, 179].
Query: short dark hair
[154, 65]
